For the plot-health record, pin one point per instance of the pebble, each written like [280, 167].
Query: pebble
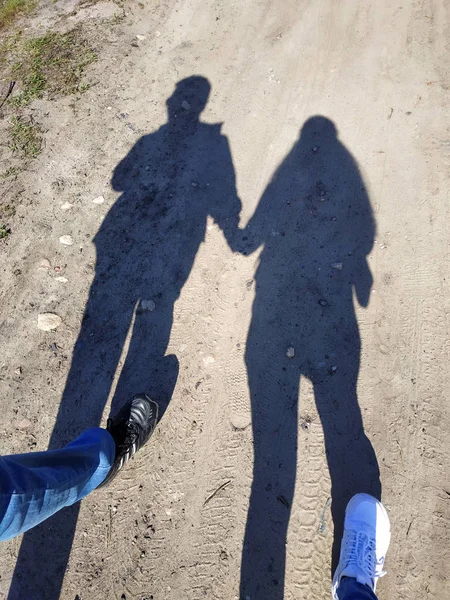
[148, 305]
[209, 360]
[62, 279]
[66, 206]
[185, 104]
[290, 352]
[337, 266]
[323, 303]
[140, 37]
[44, 265]
[315, 148]
[240, 421]
[18, 371]
[333, 368]
[66, 240]
[24, 424]
[48, 321]
[98, 200]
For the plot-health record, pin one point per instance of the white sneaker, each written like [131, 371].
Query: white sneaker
[366, 538]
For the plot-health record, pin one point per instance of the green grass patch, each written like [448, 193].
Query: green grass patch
[4, 231]
[10, 9]
[52, 65]
[25, 138]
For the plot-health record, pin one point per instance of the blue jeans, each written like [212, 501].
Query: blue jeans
[36, 485]
[350, 589]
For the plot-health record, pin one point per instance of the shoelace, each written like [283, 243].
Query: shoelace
[128, 434]
[362, 554]
[131, 437]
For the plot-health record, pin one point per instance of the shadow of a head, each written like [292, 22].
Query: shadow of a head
[318, 128]
[189, 98]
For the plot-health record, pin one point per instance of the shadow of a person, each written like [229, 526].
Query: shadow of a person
[171, 181]
[316, 227]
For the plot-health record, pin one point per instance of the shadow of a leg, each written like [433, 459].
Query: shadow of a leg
[274, 421]
[351, 458]
[41, 565]
[45, 550]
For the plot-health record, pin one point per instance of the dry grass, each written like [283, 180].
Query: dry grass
[25, 138]
[10, 9]
[52, 65]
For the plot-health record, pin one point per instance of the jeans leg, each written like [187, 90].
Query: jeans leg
[350, 589]
[36, 485]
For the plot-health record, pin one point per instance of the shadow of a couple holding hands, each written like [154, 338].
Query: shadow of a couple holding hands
[314, 228]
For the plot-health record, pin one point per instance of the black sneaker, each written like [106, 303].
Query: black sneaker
[131, 429]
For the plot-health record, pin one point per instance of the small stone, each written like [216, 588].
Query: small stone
[249, 284]
[44, 265]
[148, 305]
[194, 184]
[315, 148]
[240, 421]
[209, 360]
[333, 368]
[66, 240]
[109, 108]
[48, 321]
[142, 553]
[98, 200]
[66, 206]
[135, 44]
[338, 266]
[140, 37]
[24, 424]
[185, 104]
[290, 352]
[18, 371]
[61, 279]
[323, 303]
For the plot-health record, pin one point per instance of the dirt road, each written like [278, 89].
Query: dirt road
[270, 238]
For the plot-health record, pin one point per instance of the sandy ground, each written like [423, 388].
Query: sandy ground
[325, 139]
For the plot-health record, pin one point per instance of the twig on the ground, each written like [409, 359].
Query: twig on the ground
[221, 487]
[8, 93]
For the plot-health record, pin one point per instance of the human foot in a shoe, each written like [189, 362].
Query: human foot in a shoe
[131, 429]
[364, 543]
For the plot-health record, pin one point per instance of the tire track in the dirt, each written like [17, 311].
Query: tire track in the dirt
[218, 462]
[310, 531]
